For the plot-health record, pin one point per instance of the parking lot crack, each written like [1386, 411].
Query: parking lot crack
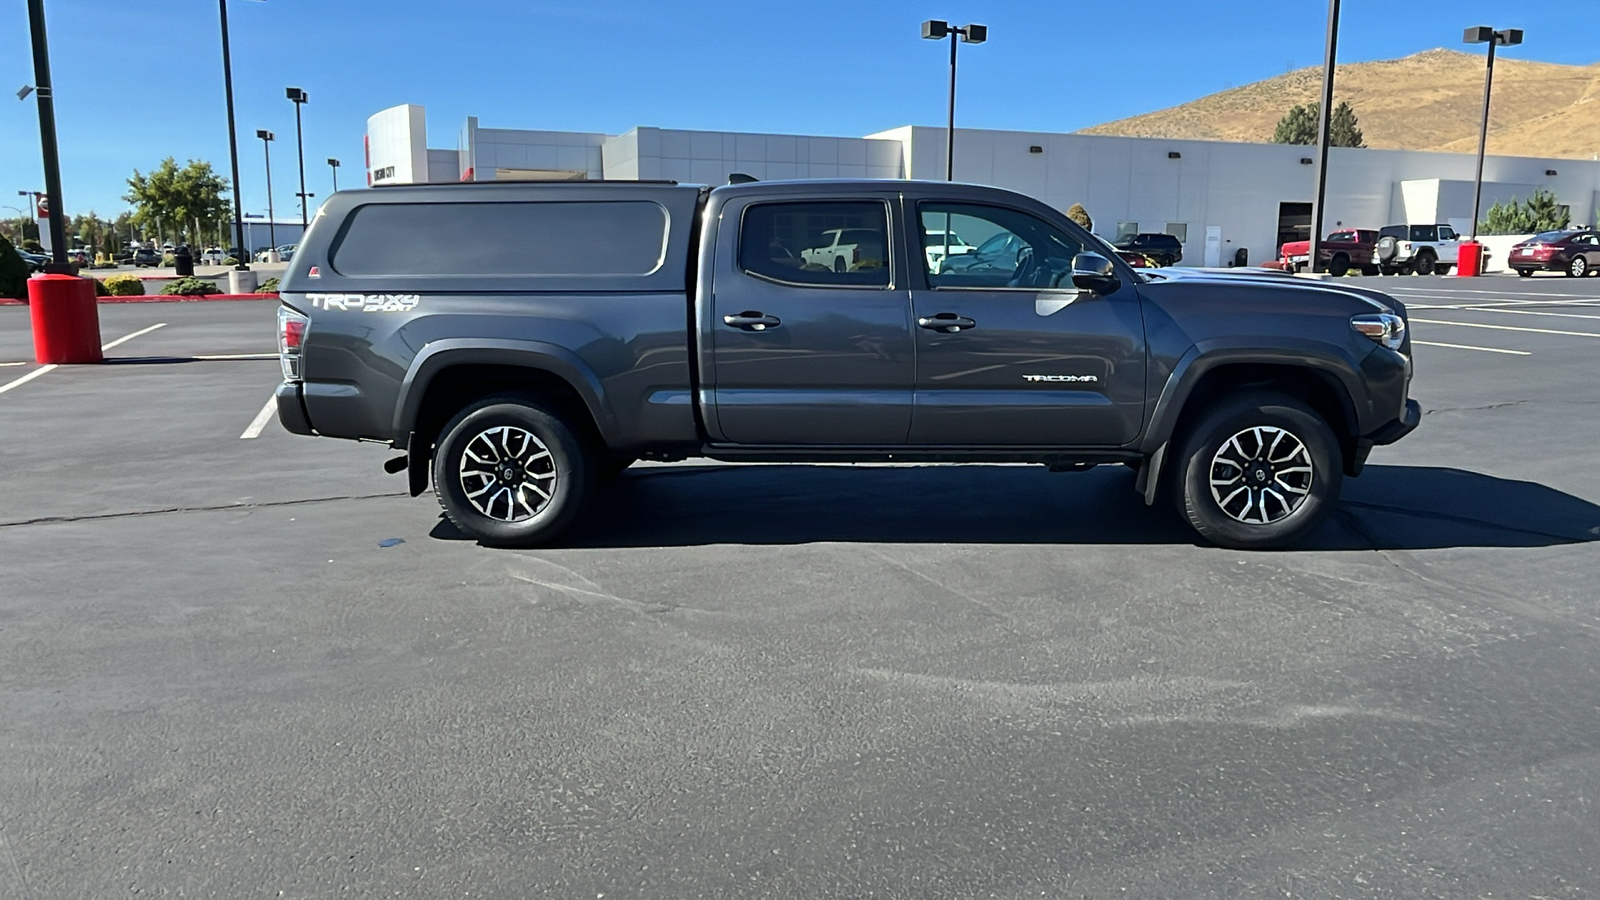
[1440, 409]
[171, 510]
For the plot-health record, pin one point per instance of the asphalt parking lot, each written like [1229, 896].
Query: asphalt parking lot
[240, 663]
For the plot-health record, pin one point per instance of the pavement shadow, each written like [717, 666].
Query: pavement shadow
[1389, 507]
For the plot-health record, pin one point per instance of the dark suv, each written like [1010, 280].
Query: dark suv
[1163, 249]
[144, 256]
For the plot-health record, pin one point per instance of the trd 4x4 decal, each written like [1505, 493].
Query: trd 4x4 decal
[366, 302]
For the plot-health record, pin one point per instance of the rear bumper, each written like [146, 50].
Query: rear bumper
[292, 409]
[1392, 431]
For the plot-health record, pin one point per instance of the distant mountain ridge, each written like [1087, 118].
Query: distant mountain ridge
[1427, 101]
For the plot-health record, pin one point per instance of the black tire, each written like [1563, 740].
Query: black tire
[1369, 271]
[1579, 267]
[562, 468]
[1404, 270]
[1388, 270]
[1525, 273]
[1214, 511]
[1425, 263]
[838, 264]
[1339, 265]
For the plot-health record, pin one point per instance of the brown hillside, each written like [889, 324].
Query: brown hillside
[1428, 101]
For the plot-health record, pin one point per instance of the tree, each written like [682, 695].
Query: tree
[1299, 126]
[173, 199]
[13, 273]
[1538, 213]
[1080, 215]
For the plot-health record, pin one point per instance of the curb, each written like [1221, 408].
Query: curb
[160, 298]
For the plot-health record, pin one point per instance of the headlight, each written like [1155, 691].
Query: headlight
[1387, 329]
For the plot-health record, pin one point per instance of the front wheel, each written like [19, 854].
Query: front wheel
[1578, 268]
[510, 473]
[1258, 471]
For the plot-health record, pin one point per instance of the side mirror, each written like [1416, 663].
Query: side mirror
[1093, 272]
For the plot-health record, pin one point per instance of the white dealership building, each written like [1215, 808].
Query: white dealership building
[1217, 197]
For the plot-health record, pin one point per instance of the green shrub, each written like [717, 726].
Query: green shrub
[13, 273]
[100, 289]
[230, 261]
[108, 264]
[190, 287]
[32, 246]
[125, 286]
[270, 286]
[169, 261]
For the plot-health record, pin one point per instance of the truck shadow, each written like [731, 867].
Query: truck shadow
[1389, 507]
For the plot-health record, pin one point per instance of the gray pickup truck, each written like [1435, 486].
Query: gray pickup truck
[519, 341]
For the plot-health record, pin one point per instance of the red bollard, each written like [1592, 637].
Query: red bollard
[66, 322]
[1469, 259]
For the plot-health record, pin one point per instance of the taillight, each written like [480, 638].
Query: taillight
[291, 336]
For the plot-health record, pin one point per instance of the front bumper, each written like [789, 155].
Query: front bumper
[1392, 431]
[292, 408]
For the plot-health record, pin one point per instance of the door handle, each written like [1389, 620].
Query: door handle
[949, 323]
[752, 320]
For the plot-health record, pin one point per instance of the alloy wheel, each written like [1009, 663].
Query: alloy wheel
[507, 473]
[1261, 475]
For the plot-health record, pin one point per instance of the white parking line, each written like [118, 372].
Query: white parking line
[259, 423]
[1516, 312]
[1588, 334]
[1470, 347]
[128, 337]
[26, 378]
[13, 364]
[43, 369]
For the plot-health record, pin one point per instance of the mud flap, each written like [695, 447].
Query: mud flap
[1150, 475]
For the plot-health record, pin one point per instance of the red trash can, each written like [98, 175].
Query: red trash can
[1469, 262]
[66, 322]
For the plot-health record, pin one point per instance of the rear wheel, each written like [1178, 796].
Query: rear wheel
[1369, 271]
[1525, 273]
[1425, 263]
[1339, 265]
[510, 473]
[1258, 471]
[838, 264]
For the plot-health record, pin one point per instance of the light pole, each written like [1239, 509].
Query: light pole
[299, 98]
[935, 30]
[233, 140]
[267, 138]
[1505, 37]
[47, 139]
[334, 165]
[1324, 127]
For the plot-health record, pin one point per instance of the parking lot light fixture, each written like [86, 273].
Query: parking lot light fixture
[299, 99]
[267, 138]
[334, 165]
[936, 30]
[1505, 37]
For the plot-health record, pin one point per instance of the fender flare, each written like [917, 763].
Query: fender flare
[1326, 359]
[437, 356]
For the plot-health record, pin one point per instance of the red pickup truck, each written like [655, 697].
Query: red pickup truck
[1343, 250]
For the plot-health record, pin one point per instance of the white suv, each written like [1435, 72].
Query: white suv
[1423, 249]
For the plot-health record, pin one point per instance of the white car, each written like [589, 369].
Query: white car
[211, 256]
[285, 253]
[847, 249]
[939, 244]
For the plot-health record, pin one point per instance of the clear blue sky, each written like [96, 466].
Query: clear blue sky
[139, 81]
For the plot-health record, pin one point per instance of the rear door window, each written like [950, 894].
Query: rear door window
[500, 239]
[826, 244]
